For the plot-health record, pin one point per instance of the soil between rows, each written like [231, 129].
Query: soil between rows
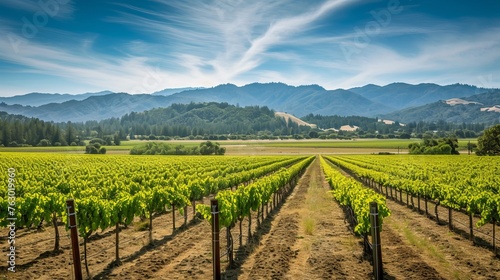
[309, 238]
[306, 239]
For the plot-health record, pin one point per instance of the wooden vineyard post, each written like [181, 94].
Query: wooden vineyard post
[75, 248]
[426, 208]
[214, 205]
[471, 228]
[450, 220]
[436, 211]
[173, 218]
[494, 237]
[378, 272]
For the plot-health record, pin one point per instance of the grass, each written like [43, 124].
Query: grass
[142, 226]
[428, 248]
[309, 225]
[364, 145]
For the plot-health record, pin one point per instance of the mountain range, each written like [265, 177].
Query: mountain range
[399, 101]
[479, 108]
[38, 99]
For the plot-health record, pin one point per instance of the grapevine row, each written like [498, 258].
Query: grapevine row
[351, 193]
[113, 190]
[463, 183]
[236, 205]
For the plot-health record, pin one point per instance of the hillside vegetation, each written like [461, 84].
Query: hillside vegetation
[369, 101]
[468, 112]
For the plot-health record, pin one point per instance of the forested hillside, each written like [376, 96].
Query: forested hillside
[204, 118]
[17, 130]
[461, 113]
[212, 121]
[198, 120]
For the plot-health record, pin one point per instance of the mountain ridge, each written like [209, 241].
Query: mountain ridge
[38, 98]
[468, 111]
[402, 95]
[368, 101]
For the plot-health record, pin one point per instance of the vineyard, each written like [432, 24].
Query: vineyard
[119, 195]
[470, 185]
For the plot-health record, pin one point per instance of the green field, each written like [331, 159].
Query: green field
[314, 145]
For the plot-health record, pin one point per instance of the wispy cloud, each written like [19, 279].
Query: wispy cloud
[166, 43]
[224, 39]
[451, 58]
[58, 9]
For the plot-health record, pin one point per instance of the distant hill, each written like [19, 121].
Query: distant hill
[478, 108]
[299, 101]
[38, 99]
[368, 101]
[205, 118]
[93, 108]
[291, 118]
[400, 95]
[170, 91]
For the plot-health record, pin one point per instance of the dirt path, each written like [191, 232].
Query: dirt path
[172, 257]
[447, 253]
[308, 239]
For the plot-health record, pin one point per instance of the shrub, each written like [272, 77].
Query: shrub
[97, 141]
[44, 143]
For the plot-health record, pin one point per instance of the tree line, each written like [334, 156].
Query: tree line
[211, 121]
[416, 129]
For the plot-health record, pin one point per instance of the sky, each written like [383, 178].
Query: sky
[70, 46]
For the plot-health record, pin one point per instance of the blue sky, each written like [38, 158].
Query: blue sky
[69, 46]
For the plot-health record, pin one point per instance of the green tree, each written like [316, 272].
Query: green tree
[210, 148]
[6, 134]
[70, 133]
[313, 134]
[116, 139]
[95, 149]
[430, 146]
[43, 143]
[452, 141]
[489, 143]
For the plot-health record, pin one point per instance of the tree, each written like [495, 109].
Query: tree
[489, 143]
[44, 143]
[452, 141]
[95, 149]
[6, 134]
[405, 135]
[209, 148]
[57, 138]
[430, 146]
[313, 134]
[98, 141]
[70, 133]
[116, 139]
